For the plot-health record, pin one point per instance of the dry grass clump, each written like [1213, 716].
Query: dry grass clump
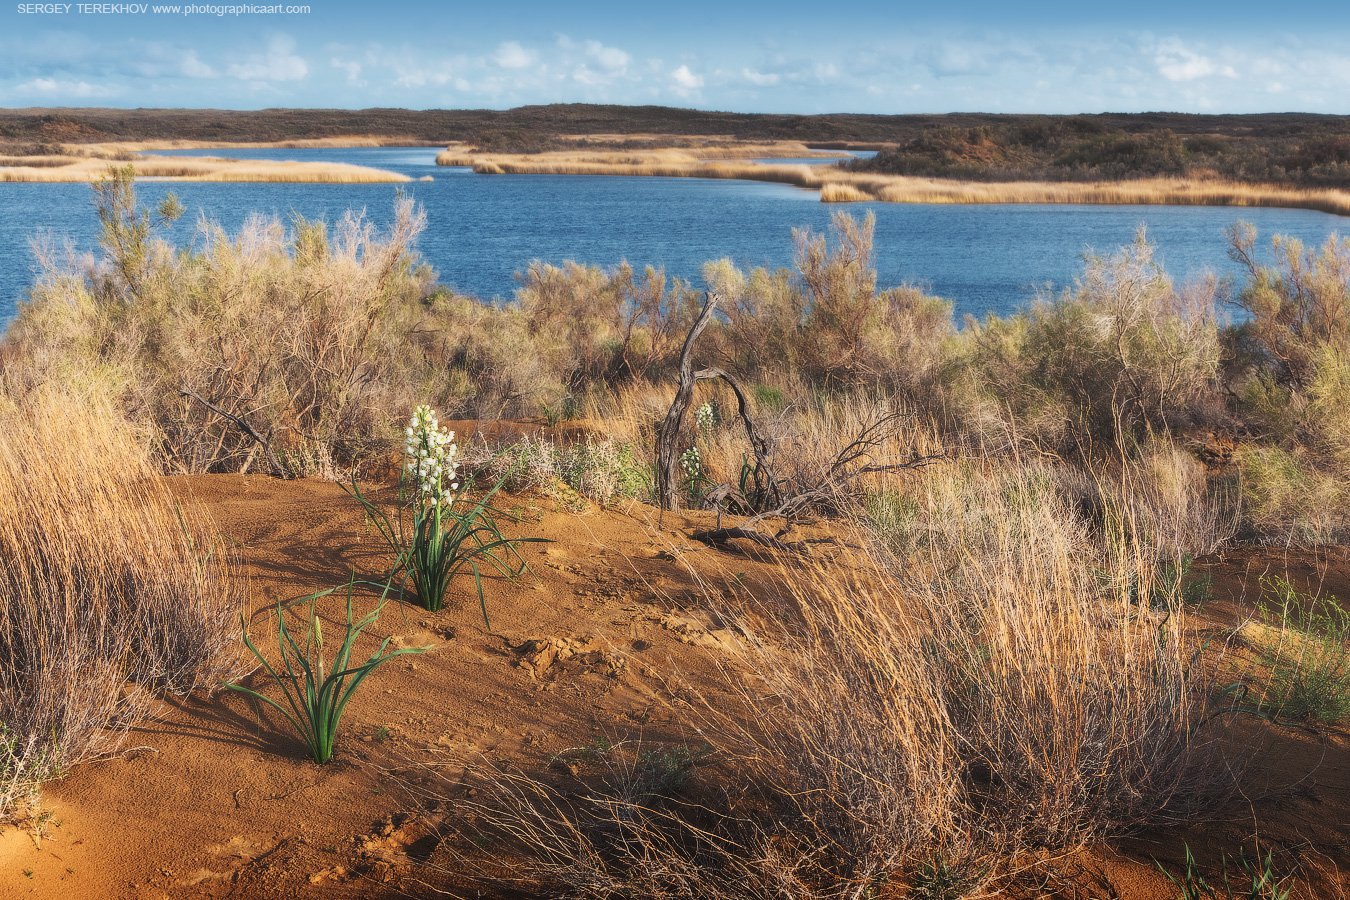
[1020, 684]
[182, 168]
[111, 590]
[838, 192]
[1150, 191]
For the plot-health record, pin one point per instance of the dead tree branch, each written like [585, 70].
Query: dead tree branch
[277, 468]
[667, 436]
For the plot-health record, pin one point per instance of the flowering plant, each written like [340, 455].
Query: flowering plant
[436, 532]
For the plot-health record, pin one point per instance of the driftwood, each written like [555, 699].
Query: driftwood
[277, 468]
[667, 435]
[764, 496]
[852, 462]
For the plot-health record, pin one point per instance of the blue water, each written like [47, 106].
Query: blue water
[482, 229]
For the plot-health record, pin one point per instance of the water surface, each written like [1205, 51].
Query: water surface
[483, 229]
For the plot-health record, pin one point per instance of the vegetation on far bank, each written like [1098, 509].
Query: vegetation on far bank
[847, 183]
[1292, 149]
[62, 166]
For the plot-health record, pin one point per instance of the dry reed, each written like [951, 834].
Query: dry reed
[200, 168]
[112, 591]
[847, 186]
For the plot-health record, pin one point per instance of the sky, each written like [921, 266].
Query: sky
[792, 56]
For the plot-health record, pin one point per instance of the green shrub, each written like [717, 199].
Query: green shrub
[1253, 880]
[316, 692]
[1304, 651]
[1286, 499]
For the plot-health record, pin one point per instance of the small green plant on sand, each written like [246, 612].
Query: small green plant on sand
[1253, 879]
[1305, 651]
[314, 690]
[437, 532]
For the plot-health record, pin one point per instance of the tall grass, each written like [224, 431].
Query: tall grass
[112, 591]
[1004, 692]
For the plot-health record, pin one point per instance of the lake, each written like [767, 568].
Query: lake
[482, 229]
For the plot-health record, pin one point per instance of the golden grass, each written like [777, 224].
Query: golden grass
[840, 192]
[843, 186]
[1017, 685]
[111, 592]
[181, 168]
[684, 159]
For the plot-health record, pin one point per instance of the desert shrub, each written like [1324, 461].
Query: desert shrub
[1303, 645]
[1288, 500]
[491, 361]
[112, 591]
[591, 324]
[300, 333]
[1294, 307]
[1123, 352]
[1290, 378]
[1163, 504]
[827, 320]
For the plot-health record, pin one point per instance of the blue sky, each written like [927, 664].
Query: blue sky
[791, 56]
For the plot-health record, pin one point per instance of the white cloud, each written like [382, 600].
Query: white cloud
[351, 67]
[59, 87]
[511, 55]
[685, 80]
[278, 62]
[1177, 62]
[760, 79]
[192, 66]
[611, 59]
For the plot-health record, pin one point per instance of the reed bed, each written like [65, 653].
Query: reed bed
[839, 192]
[172, 168]
[841, 186]
[691, 153]
[112, 592]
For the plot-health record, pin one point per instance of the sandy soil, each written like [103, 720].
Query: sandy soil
[211, 801]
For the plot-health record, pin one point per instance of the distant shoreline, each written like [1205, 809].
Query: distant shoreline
[837, 185]
[77, 163]
[682, 156]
